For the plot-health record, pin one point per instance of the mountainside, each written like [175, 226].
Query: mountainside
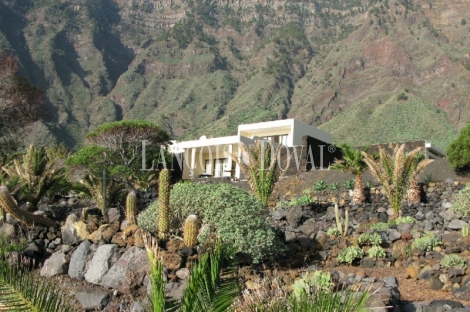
[367, 71]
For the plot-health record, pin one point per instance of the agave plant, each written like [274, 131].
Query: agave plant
[206, 291]
[36, 172]
[396, 172]
[260, 167]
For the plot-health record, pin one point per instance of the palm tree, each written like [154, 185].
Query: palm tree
[353, 162]
[36, 172]
[260, 167]
[414, 193]
[396, 172]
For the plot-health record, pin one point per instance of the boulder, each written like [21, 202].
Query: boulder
[100, 263]
[294, 215]
[73, 231]
[56, 264]
[457, 224]
[79, 259]
[92, 300]
[128, 272]
[7, 230]
[97, 235]
[279, 214]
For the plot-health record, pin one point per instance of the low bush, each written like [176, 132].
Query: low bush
[333, 232]
[148, 219]
[461, 203]
[349, 254]
[453, 260]
[227, 212]
[407, 219]
[379, 226]
[376, 252]
[371, 239]
[425, 243]
[319, 280]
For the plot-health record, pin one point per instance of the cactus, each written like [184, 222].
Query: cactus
[190, 231]
[163, 203]
[339, 220]
[8, 203]
[130, 208]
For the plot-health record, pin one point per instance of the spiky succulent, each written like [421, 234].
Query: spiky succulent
[131, 208]
[190, 231]
[164, 203]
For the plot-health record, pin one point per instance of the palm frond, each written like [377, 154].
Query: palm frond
[396, 172]
[259, 164]
[20, 290]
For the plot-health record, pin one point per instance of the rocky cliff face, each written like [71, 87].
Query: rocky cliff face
[368, 71]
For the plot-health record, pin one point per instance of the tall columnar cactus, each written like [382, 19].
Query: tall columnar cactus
[339, 220]
[130, 208]
[163, 203]
[190, 231]
[8, 203]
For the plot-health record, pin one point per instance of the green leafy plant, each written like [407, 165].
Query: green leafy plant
[333, 232]
[207, 290]
[226, 212]
[426, 242]
[465, 230]
[320, 186]
[458, 152]
[349, 254]
[453, 260]
[396, 172]
[94, 188]
[318, 279]
[148, 219]
[260, 167]
[369, 184]
[334, 186]
[461, 202]
[379, 226]
[428, 178]
[349, 184]
[36, 172]
[342, 229]
[407, 219]
[371, 239]
[299, 201]
[353, 162]
[376, 252]
[21, 290]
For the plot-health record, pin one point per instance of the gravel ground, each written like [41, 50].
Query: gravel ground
[410, 290]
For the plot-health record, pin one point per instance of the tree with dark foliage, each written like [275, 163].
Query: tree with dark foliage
[20, 103]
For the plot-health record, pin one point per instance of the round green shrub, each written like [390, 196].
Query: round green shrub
[458, 151]
[461, 203]
[148, 219]
[227, 212]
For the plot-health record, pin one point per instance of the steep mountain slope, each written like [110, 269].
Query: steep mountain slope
[367, 71]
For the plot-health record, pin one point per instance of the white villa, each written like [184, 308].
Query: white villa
[208, 157]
